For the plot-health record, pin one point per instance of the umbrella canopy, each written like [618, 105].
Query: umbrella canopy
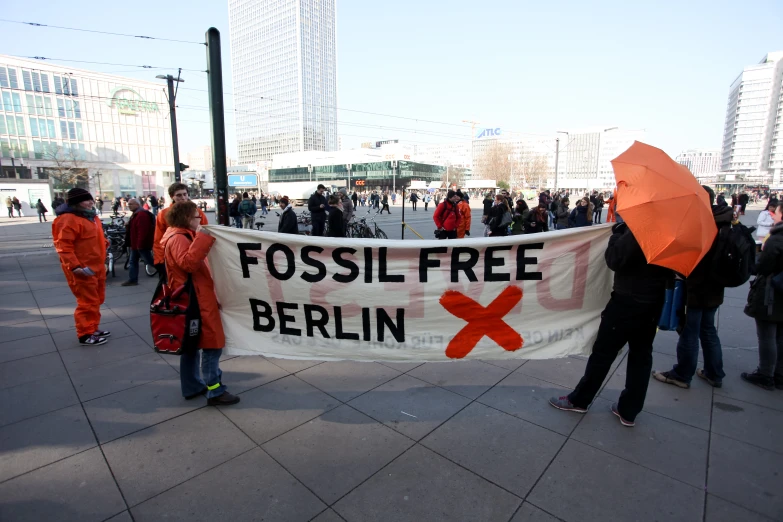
[667, 210]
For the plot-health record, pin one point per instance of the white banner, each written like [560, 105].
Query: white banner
[535, 296]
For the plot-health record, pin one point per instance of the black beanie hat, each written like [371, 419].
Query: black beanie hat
[77, 195]
[711, 193]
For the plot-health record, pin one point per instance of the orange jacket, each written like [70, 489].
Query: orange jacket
[160, 228]
[464, 218]
[610, 214]
[79, 242]
[186, 253]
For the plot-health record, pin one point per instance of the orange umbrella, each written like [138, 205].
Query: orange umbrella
[667, 210]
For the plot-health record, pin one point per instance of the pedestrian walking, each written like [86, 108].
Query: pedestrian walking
[233, 210]
[17, 206]
[247, 209]
[186, 245]
[766, 219]
[385, 203]
[99, 205]
[427, 199]
[9, 203]
[394, 198]
[631, 317]
[81, 245]
[414, 199]
[139, 236]
[765, 305]
[318, 207]
[446, 216]
[179, 194]
[42, 210]
[154, 204]
[263, 200]
[287, 224]
[704, 295]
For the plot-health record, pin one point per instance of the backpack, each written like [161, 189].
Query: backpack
[734, 255]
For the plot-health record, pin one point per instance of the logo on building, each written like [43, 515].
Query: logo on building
[488, 133]
[127, 101]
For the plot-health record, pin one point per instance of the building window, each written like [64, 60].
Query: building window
[27, 80]
[60, 108]
[17, 102]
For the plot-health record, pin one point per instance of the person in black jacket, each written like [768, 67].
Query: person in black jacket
[765, 305]
[496, 226]
[538, 220]
[287, 224]
[318, 208]
[631, 316]
[336, 223]
[704, 294]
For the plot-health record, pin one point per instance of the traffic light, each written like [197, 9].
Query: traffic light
[183, 167]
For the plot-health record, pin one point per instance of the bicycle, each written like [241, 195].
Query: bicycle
[360, 228]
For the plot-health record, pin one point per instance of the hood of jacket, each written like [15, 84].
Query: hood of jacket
[777, 228]
[67, 209]
[173, 231]
[723, 215]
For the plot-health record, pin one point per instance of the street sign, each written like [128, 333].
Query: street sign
[244, 180]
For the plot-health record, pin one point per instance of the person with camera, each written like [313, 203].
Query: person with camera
[447, 216]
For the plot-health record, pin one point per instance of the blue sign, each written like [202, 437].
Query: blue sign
[243, 180]
[488, 133]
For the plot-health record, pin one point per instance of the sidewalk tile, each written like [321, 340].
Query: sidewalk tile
[587, 484]
[52, 292]
[23, 331]
[530, 513]
[718, 510]
[30, 347]
[328, 516]
[738, 360]
[735, 328]
[467, 378]
[13, 283]
[505, 450]
[663, 445]
[131, 310]
[565, 371]
[746, 475]
[508, 364]
[122, 517]
[735, 388]
[36, 442]
[77, 489]
[30, 369]
[277, 407]
[134, 409]
[410, 406]
[141, 325]
[691, 406]
[249, 487]
[11, 318]
[528, 398]
[67, 339]
[666, 343]
[345, 380]
[116, 349]
[35, 398]
[749, 423]
[60, 324]
[153, 460]
[245, 373]
[293, 365]
[421, 485]
[19, 301]
[402, 367]
[123, 300]
[335, 452]
[36, 285]
[91, 383]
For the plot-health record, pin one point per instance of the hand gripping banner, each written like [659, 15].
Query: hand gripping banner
[535, 296]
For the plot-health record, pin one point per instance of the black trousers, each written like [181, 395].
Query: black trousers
[413, 204]
[386, 208]
[624, 320]
[447, 234]
[318, 227]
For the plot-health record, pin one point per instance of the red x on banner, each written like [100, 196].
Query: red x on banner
[482, 321]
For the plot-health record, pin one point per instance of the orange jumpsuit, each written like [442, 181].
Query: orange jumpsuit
[160, 228]
[464, 218]
[611, 213]
[81, 244]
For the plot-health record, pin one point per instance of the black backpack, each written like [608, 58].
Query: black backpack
[734, 255]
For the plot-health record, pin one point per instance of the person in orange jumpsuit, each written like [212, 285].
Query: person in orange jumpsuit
[81, 245]
[186, 245]
[179, 194]
[611, 214]
[463, 207]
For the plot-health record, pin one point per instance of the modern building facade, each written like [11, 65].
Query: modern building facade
[284, 70]
[752, 151]
[704, 164]
[101, 132]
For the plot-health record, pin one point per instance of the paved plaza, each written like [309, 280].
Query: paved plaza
[102, 433]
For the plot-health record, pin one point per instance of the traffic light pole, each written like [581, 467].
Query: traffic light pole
[173, 113]
[215, 80]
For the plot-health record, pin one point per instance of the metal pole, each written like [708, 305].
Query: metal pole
[557, 158]
[174, 140]
[403, 212]
[215, 81]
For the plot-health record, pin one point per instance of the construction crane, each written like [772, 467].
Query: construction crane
[472, 127]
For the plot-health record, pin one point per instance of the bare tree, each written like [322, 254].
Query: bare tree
[454, 176]
[495, 163]
[530, 169]
[68, 170]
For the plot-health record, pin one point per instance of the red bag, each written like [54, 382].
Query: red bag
[175, 319]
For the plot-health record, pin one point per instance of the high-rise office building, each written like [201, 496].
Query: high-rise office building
[752, 151]
[284, 70]
[704, 164]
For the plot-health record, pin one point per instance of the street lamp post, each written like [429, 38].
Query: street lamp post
[173, 111]
[557, 154]
[598, 153]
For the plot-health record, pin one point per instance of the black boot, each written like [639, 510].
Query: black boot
[760, 380]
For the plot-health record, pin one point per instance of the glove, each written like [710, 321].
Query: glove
[467, 232]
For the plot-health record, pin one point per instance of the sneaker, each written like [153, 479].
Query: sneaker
[627, 423]
[562, 403]
[669, 378]
[130, 283]
[199, 394]
[102, 333]
[762, 381]
[712, 382]
[91, 340]
[224, 399]
[778, 382]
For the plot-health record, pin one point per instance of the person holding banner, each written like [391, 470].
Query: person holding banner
[186, 245]
[446, 216]
[631, 317]
[179, 194]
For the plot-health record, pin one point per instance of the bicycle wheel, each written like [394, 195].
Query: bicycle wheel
[380, 234]
[110, 267]
[150, 270]
[367, 233]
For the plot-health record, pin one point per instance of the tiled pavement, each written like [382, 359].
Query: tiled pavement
[103, 433]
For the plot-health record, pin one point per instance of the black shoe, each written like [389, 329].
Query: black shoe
[624, 422]
[762, 381]
[91, 340]
[224, 399]
[130, 283]
[199, 394]
[102, 333]
[778, 382]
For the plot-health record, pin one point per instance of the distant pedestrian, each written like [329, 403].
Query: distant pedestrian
[98, 205]
[414, 199]
[394, 198]
[263, 200]
[336, 224]
[9, 203]
[287, 224]
[427, 199]
[153, 200]
[139, 236]
[248, 209]
[233, 210]
[17, 206]
[385, 203]
[42, 210]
